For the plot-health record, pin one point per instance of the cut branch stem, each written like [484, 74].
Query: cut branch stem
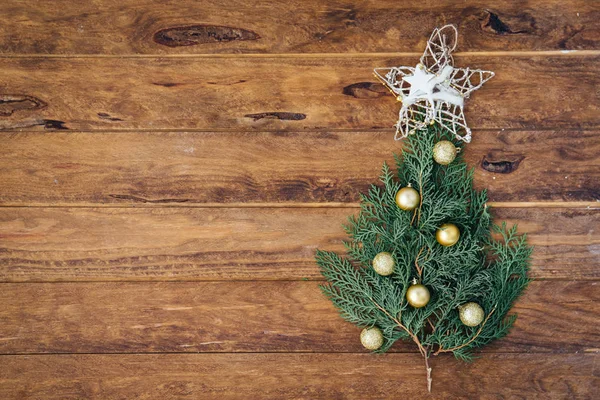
[414, 337]
[429, 378]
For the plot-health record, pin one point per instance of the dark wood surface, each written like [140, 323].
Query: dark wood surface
[126, 27]
[184, 243]
[322, 92]
[296, 376]
[160, 168]
[249, 316]
[167, 170]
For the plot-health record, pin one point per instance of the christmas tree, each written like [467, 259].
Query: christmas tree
[424, 262]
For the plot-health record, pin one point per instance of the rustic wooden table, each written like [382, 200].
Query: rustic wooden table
[167, 170]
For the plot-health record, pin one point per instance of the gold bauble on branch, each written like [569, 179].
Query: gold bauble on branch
[444, 152]
[447, 235]
[471, 314]
[383, 263]
[371, 338]
[408, 198]
[418, 295]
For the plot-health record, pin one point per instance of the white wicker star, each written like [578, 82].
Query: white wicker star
[434, 90]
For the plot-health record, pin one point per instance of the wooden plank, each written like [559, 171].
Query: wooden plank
[279, 93]
[260, 26]
[295, 376]
[109, 244]
[249, 316]
[250, 167]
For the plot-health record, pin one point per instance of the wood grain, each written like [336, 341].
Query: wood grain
[250, 316]
[263, 26]
[279, 93]
[167, 170]
[295, 376]
[162, 168]
[124, 244]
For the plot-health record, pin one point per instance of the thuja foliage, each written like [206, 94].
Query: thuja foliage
[488, 265]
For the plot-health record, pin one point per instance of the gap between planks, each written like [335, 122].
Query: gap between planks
[590, 205]
[316, 55]
[258, 130]
[275, 130]
[228, 280]
[366, 352]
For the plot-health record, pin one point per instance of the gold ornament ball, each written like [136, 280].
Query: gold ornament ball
[383, 263]
[471, 314]
[371, 338]
[418, 295]
[407, 198]
[447, 235]
[444, 152]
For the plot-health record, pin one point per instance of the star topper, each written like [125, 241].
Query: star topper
[434, 90]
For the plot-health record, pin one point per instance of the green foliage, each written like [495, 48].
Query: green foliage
[488, 269]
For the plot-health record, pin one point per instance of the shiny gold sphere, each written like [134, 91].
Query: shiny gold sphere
[407, 198]
[371, 338]
[383, 263]
[471, 314]
[447, 235]
[418, 295]
[444, 152]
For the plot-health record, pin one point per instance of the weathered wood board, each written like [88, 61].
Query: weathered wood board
[124, 244]
[249, 316]
[163, 168]
[280, 93]
[297, 376]
[264, 26]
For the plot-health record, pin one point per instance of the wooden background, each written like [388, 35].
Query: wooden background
[168, 168]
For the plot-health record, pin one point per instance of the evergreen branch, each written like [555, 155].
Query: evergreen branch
[489, 270]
